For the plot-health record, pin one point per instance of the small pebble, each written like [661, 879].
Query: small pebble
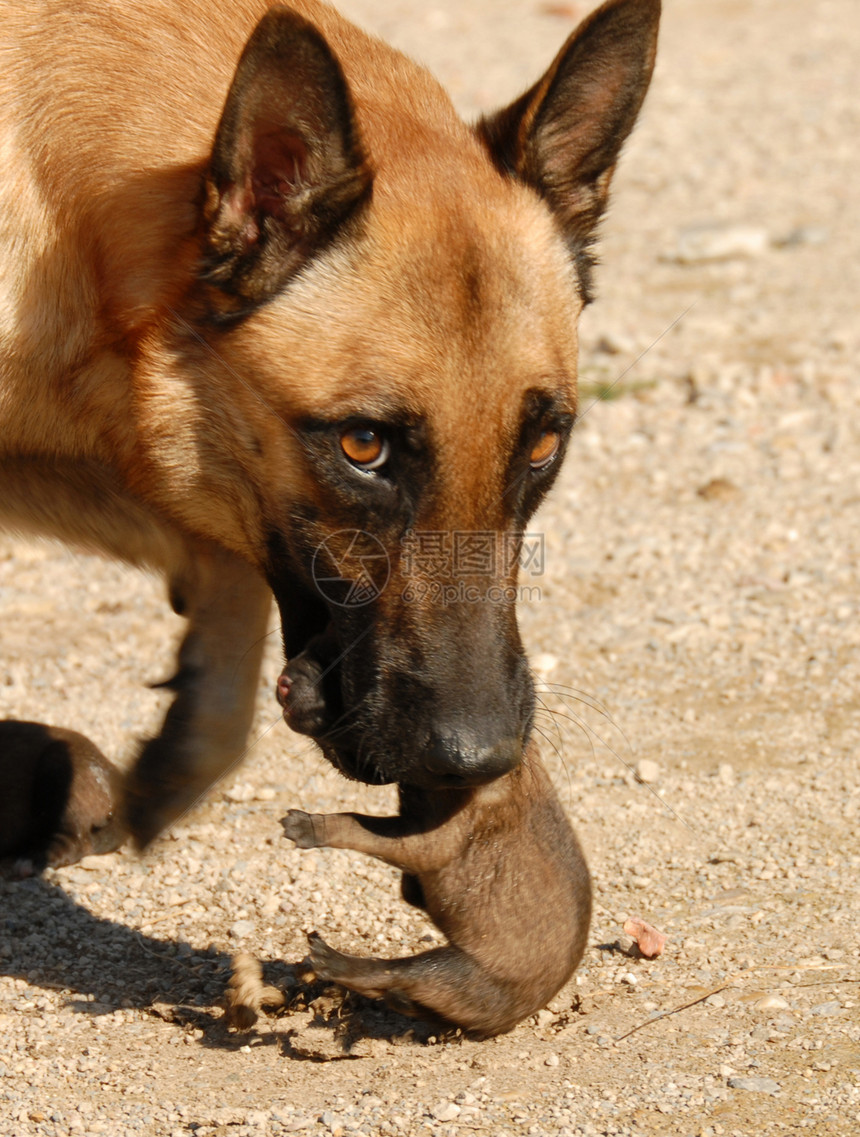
[754, 1085]
[240, 792]
[771, 1003]
[446, 1111]
[544, 663]
[831, 1008]
[700, 244]
[647, 771]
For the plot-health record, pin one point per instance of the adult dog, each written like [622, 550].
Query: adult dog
[268, 306]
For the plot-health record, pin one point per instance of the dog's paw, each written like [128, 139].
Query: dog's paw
[299, 827]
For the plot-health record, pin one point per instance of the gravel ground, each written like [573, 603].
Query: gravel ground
[696, 632]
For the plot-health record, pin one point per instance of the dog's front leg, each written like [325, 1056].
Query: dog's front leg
[227, 605]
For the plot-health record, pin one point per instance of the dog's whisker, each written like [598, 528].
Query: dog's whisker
[542, 705]
[260, 639]
[557, 748]
[589, 730]
[569, 702]
[552, 687]
[553, 714]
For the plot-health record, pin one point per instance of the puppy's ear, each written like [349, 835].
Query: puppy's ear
[564, 135]
[287, 167]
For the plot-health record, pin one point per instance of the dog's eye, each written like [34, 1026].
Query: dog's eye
[365, 447]
[545, 449]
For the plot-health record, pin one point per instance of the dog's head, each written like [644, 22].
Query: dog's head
[396, 297]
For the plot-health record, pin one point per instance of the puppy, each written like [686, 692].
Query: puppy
[498, 869]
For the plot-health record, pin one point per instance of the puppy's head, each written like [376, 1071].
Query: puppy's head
[395, 298]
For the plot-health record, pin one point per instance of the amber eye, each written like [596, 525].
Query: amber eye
[545, 449]
[364, 447]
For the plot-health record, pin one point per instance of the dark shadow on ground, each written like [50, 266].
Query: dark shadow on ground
[49, 940]
[52, 941]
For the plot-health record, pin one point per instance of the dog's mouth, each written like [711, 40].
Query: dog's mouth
[381, 732]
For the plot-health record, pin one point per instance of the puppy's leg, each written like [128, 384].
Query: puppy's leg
[391, 839]
[227, 604]
[447, 982]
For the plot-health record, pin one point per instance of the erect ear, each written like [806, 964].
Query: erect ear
[287, 167]
[564, 135]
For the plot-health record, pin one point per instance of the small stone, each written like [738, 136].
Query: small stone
[544, 664]
[726, 774]
[629, 978]
[700, 244]
[551, 1060]
[241, 929]
[719, 489]
[771, 1003]
[240, 792]
[754, 1085]
[831, 1008]
[445, 1111]
[615, 343]
[647, 771]
[803, 235]
[715, 1001]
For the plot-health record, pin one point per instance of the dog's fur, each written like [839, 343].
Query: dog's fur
[499, 870]
[211, 272]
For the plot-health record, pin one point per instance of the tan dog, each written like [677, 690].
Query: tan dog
[499, 869]
[263, 290]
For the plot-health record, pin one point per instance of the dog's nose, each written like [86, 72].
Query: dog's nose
[457, 758]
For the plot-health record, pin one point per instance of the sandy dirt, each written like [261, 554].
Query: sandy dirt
[695, 630]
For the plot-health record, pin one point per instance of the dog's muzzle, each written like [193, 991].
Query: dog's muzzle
[454, 759]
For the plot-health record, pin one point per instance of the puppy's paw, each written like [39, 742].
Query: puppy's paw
[302, 828]
[325, 961]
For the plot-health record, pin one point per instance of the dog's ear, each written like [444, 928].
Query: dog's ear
[287, 166]
[564, 135]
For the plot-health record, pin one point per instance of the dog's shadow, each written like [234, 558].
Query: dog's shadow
[49, 940]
